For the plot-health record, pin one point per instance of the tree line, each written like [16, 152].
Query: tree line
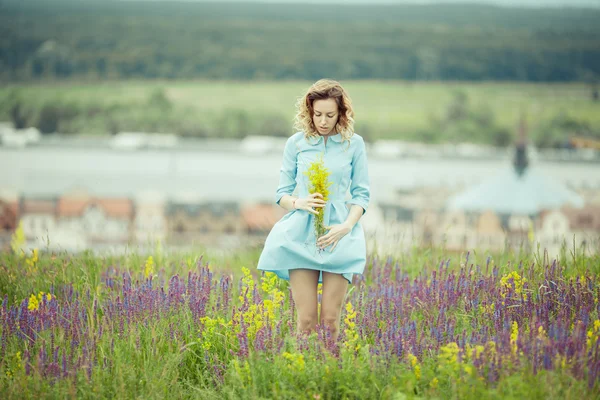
[459, 120]
[97, 40]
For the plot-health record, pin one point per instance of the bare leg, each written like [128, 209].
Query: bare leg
[334, 293]
[304, 292]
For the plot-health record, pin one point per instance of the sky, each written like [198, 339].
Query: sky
[527, 3]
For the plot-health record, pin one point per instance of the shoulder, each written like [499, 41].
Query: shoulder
[295, 141]
[356, 142]
[357, 139]
[296, 137]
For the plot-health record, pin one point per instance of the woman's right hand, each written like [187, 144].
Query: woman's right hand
[309, 202]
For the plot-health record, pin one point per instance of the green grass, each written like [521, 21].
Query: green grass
[143, 359]
[384, 110]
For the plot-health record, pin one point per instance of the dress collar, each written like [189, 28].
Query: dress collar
[316, 140]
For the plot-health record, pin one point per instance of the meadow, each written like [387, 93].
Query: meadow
[426, 324]
[417, 111]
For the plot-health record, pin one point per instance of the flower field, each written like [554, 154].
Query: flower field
[422, 325]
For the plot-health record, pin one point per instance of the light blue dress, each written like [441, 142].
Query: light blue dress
[291, 243]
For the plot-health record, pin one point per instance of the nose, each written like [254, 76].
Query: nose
[323, 120]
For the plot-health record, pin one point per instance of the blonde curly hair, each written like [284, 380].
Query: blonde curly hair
[321, 90]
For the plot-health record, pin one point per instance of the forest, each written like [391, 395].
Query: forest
[115, 40]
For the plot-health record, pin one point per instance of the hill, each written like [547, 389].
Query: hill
[67, 39]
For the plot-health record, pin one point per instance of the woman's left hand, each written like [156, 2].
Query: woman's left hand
[336, 232]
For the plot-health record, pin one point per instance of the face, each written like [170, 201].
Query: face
[325, 115]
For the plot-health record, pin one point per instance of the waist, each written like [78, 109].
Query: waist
[331, 197]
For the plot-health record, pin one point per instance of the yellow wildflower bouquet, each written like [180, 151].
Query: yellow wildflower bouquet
[318, 179]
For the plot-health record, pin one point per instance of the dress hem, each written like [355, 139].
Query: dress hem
[284, 273]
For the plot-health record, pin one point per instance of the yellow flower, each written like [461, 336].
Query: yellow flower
[210, 333]
[296, 361]
[541, 333]
[478, 349]
[247, 282]
[593, 334]
[531, 232]
[257, 316]
[34, 303]
[17, 240]
[492, 347]
[561, 361]
[468, 369]
[517, 281]
[32, 261]
[434, 383]
[487, 309]
[414, 363]
[269, 281]
[350, 316]
[514, 336]
[449, 354]
[351, 341]
[318, 177]
[418, 371]
[413, 359]
[149, 267]
[514, 332]
[275, 297]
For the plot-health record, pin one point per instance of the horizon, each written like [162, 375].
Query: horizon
[500, 3]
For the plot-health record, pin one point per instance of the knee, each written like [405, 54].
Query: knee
[330, 322]
[307, 323]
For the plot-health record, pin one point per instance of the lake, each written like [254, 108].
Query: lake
[227, 175]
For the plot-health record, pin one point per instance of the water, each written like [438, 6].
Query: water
[231, 176]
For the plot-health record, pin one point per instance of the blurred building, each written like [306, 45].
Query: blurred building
[522, 190]
[517, 208]
[507, 204]
[258, 219]
[38, 218]
[150, 220]
[98, 220]
[9, 209]
[202, 222]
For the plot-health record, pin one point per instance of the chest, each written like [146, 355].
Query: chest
[336, 157]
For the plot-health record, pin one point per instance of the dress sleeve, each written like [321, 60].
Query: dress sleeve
[287, 173]
[359, 187]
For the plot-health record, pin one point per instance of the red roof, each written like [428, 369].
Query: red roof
[8, 214]
[13, 206]
[114, 207]
[37, 206]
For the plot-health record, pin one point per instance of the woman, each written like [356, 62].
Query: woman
[325, 123]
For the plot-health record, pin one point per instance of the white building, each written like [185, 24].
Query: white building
[150, 222]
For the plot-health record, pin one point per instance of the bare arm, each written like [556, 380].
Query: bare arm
[354, 215]
[287, 202]
[303, 203]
